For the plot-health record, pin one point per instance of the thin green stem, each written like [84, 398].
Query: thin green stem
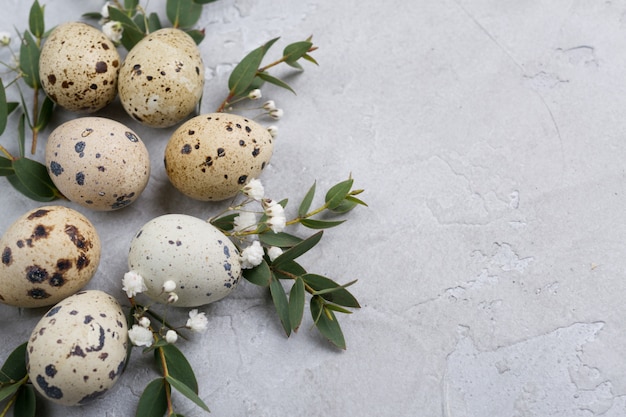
[168, 393]
[309, 214]
[8, 405]
[6, 153]
[280, 61]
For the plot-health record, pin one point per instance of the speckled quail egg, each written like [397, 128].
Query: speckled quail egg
[48, 254]
[97, 162]
[212, 156]
[198, 257]
[162, 78]
[78, 349]
[78, 67]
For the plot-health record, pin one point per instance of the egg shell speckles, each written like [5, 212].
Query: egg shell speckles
[48, 254]
[79, 67]
[98, 163]
[212, 156]
[77, 351]
[162, 78]
[202, 261]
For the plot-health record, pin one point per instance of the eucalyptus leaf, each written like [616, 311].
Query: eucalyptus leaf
[8, 391]
[340, 295]
[305, 205]
[21, 134]
[45, 113]
[259, 275]
[183, 13]
[225, 223]
[196, 35]
[35, 20]
[153, 400]
[310, 59]
[296, 50]
[119, 16]
[280, 239]
[335, 307]
[131, 37]
[187, 392]
[179, 367]
[140, 21]
[154, 22]
[273, 80]
[296, 303]
[12, 105]
[326, 322]
[34, 178]
[281, 303]
[296, 65]
[345, 206]
[14, 368]
[298, 250]
[320, 224]
[25, 402]
[337, 193]
[245, 72]
[131, 4]
[92, 15]
[4, 108]
[289, 270]
[6, 167]
[29, 61]
[204, 1]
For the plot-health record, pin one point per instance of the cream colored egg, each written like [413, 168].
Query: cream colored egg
[212, 156]
[199, 258]
[162, 78]
[98, 163]
[48, 254]
[77, 351]
[78, 67]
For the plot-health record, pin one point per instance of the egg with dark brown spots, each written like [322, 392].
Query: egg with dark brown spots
[98, 163]
[212, 156]
[77, 351]
[79, 67]
[48, 254]
[162, 78]
[198, 257]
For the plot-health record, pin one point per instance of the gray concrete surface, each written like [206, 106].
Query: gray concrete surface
[489, 137]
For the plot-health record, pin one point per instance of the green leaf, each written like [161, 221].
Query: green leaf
[7, 391]
[259, 275]
[178, 366]
[153, 401]
[298, 250]
[44, 114]
[280, 239]
[21, 134]
[337, 193]
[6, 167]
[345, 206]
[273, 80]
[335, 307]
[339, 295]
[131, 4]
[132, 32]
[307, 201]
[289, 270]
[196, 35]
[92, 15]
[225, 223]
[34, 180]
[204, 1]
[281, 303]
[296, 50]
[245, 72]
[29, 61]
[12, 105]
[326, 322]
[183, 13]
[140, 21]
[154, 23]
[14, 368]
[187, 392]
[296, 303]
[25, 402]
[4, 108]
[320, 224]
[35, 20]
[310, 59]
[119, 16]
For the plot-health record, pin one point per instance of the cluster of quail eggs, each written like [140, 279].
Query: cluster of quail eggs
[78, 349]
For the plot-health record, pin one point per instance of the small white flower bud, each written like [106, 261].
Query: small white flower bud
[113, 30]
[5, 38]
[273, 130]
[140, 336]
[269, 105]
[169, 286]
[172, 298]
[171, 336]
[254, 189]
[274, 252]
[255, 94]
[144, 322]
[276, 114]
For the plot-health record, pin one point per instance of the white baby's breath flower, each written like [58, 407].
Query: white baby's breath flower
[255, 94]
[133, 284]
[276, 114]
[273, 208]
[140, 336]
[171, 336]
[274, 252]
[105, 10]
[269, 105]
[113, 30]
[197, 322]
[277, 223]
[5, 38]
[273, 130]
[254, 189]
[245, 221]
[144, 322]
[172, 298]
[169, 286]
[252, 255]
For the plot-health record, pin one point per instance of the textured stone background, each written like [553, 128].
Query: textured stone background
[488, 135]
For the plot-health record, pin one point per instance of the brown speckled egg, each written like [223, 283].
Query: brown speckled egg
[77, 351]
[212, 156]
[162, 78]
[98, 163]
[48, 254]
[78, 67]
